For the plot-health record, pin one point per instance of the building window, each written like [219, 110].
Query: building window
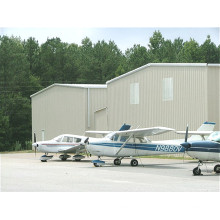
[168, 89]
[134, 93]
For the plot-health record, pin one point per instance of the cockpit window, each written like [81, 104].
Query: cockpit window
[77, 140]
[67, 139]
[215, 136]
[58, 139]
[123, 138]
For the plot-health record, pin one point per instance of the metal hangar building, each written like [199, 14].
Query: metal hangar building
[156, 94]
[66, 108]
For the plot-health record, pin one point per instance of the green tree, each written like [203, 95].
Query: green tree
[155, 47]
[209, 52]
[136, 56]
[190, 52]
[52, 60]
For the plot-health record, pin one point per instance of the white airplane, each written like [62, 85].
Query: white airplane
[64, 144]
[134, 143]
[208, 150]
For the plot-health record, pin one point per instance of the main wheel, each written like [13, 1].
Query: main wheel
[134, 162]
[196, 171]
[217, 168]
[96, 165]
[117, 162]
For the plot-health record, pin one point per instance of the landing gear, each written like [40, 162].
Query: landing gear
[64, 157]
[197, 170]
[134, 162]
[78, 157]
[45, 158]
[117, 161]
[98, 163]
[217, 168]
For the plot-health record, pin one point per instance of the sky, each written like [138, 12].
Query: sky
[124, 37]
[122, 21]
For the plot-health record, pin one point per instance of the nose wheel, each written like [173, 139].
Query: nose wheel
[197, 170]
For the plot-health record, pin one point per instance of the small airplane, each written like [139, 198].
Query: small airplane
[134, 143]
[65, 143]
[208, 150]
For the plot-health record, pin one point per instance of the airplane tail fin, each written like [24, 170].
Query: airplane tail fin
[124, 127]
[206, 126]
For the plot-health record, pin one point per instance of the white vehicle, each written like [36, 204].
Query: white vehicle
[64, 144]
[208, 150]
[135, 142]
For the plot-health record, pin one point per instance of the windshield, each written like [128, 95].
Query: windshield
[58, 139]
[215, 136]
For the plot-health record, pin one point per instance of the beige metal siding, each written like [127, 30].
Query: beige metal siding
[59, 110]
[101, 120]
[62, 109]
[213, 95]
[97, 100]
[188, 105]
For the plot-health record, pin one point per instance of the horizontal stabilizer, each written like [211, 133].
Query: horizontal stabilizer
[195, 132]
[98, 132]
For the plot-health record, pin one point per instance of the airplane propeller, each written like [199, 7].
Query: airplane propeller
[86, 142]
[35, 144]
[186, 145]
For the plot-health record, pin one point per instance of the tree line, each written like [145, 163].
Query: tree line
[27, 67]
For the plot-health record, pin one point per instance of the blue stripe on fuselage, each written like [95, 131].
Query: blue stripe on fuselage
[147, 147]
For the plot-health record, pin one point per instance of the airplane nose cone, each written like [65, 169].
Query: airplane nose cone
[186, 145]
[34, 145]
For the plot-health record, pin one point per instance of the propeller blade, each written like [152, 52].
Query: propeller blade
[35, 147]
[35, 139]
[86, 142]
[186, 135]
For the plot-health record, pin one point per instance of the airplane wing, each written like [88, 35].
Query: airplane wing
[74, 149]
[195, 132]
[99, 132]
[142, 132]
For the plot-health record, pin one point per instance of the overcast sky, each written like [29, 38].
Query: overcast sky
[123, 37]
[72, 21]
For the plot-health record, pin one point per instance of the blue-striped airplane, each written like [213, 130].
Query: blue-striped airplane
[208, 150]
[134, 142]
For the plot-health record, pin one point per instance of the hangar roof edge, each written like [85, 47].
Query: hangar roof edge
[162, 64]
[84, 86]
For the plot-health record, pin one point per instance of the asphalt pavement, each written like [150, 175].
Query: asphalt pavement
[23, 172]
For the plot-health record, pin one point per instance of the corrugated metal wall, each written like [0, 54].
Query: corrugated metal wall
[189, 105]
[59, 110]
[213, 96]
[196, 98]
[98, 101]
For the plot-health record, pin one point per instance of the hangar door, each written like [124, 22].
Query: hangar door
[101, 120]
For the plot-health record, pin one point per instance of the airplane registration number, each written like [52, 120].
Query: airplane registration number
[168, 148]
